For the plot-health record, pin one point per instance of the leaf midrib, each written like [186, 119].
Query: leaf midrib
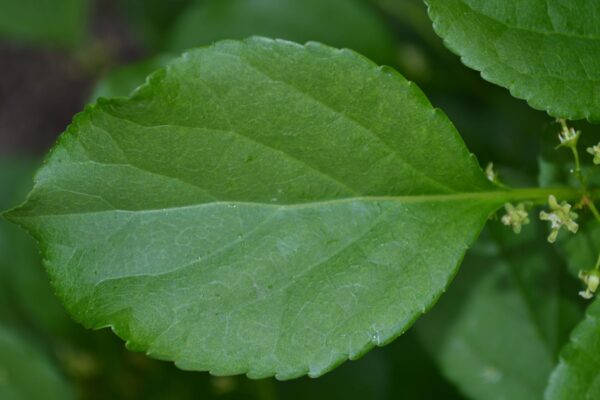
[499, 197]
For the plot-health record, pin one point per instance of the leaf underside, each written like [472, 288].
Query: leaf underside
[258, 207]
[543, 51]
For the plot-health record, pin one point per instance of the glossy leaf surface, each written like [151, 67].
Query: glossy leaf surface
[543, 51]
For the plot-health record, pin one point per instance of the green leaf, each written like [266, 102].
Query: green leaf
[26, 373]
[576, 376]
[543, 51]
[259, 207]
[340, 23]
[58, 22]
[505, 303]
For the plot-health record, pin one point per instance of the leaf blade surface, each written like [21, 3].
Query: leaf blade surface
[259, 207]
[543, 51]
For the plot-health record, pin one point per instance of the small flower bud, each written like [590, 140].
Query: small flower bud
[490, 173]
[515, 216]
[591, 279]
[595, 151]
[568, 137]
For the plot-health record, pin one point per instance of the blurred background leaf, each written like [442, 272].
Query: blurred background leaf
[576, 376]
[581, 251]
[26, 373]
[60, 23]
[339, 23]
[152, 20]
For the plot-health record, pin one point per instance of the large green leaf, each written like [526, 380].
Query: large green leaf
[57, 22]
[544, 51]
[341, 23]
[577, 375]
[26, 373]
[259, 207]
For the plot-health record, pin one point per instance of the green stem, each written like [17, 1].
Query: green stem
[537, 196]
[540, 195]
[578, 173]
[597, 263]
[573, 146]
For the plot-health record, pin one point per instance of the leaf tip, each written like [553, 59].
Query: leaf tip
[12, 215]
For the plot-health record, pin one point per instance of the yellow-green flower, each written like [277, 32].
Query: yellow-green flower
[490, 173]
[592, 281]
[568, 137]
[515, 216]
[560, 215]
[595, 151]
